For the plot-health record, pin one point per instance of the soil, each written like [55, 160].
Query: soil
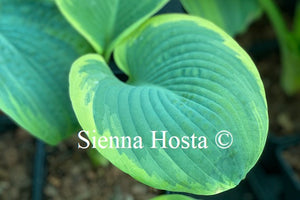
[70, 174]
[17, 152]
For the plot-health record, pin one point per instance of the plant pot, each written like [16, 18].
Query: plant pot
[39, 170]
[268, 159]
[289, 159]
[265, 186]
[6, 123]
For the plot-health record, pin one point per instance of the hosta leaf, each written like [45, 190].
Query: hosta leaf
[172, 197]
[37, 49]
[105, 22]
[233, 16]
[185, 76]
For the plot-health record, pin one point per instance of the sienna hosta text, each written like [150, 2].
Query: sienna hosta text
[159, 139]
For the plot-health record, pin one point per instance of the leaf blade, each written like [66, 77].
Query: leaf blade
[185, 76]
[105, 23]
[34, 75]
[233, 16]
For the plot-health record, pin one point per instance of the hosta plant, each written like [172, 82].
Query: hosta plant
[186, 76]
[189, 82]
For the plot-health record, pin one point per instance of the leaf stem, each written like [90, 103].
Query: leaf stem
[297, 22]
[289, 46]
[276, 19]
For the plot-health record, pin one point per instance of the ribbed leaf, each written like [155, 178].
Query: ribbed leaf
[105, 22]
[185, 76]
[233, 16]
[37, 49]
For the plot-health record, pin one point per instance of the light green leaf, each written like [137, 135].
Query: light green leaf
[290, 59]
[37, 49]
[290, 56]
[186, 76]
[289, 42]
[106, 22]
[233, 16]
[172, 197]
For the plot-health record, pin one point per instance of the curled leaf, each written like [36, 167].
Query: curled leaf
[186, 78]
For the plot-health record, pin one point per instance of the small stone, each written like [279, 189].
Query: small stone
[54, 181]
[285, 122]
[51, 191]
[139, 189]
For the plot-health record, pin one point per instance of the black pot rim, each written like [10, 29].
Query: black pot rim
[285, 165]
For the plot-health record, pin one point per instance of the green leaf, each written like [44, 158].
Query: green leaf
[290, 56]
[277, 20]
[37, 49]
[290, 59]
[297, 23]
[97, 159]
[104, 23]
[172, 197]
[233, 16]
[186, 76]
[289, 42]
